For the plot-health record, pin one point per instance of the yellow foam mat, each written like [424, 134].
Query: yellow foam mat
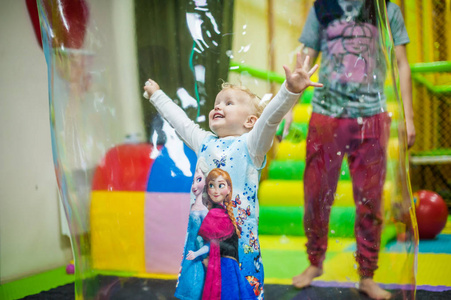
[393, 268]
[285, 257]
[295, 243]
[434, 269]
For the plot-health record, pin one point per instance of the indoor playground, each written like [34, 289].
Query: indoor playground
[125, 174]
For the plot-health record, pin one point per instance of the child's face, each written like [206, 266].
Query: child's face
[198, 183]
[232, 114]
[218, 189]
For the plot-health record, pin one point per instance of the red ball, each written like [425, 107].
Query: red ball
[432, 213]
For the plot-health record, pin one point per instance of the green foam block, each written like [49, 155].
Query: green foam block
[289, 221]
[294, 170]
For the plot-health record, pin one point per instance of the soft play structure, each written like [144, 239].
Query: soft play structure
[125, 174]
[281, 194]
[142, 201]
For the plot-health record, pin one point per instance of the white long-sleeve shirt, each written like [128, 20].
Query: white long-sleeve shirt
[260, 137]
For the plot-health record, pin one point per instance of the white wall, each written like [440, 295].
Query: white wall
[30, 231]
[31, 240]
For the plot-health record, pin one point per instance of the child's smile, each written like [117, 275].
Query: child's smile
[230, 113]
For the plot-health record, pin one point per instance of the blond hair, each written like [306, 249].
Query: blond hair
[256, 103]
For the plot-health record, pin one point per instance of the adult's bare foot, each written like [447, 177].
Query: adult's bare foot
[305, 278]
[373, 290]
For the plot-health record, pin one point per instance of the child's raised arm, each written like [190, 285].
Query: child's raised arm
[298, 80]
[261, 136]
[189, 131]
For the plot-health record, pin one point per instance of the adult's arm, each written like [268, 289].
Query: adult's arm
[405, 81]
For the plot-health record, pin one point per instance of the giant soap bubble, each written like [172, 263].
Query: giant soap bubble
[129, 183]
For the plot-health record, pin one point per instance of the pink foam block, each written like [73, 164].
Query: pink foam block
[166, 221]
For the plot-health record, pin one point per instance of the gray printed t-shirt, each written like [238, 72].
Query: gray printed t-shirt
[353, 66]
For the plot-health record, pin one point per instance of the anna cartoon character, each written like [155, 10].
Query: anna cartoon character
[220, 230]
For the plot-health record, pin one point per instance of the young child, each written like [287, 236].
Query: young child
[192, 271]
[220, 230]
[350, 118]
[242, 134]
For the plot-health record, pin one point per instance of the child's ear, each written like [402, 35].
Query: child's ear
[250, 122]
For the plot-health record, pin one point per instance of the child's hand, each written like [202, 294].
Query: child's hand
[150, 87]
[299, 79]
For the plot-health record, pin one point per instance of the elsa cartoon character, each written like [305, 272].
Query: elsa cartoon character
[192, 272]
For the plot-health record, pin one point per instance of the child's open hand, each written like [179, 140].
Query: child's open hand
[299, 79]
[150, 87]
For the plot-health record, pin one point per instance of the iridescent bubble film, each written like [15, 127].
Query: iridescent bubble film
[333, 191]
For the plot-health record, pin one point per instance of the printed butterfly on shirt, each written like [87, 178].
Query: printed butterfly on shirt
[247, 249]
[257, 262]
[253, 241]
[221, 162]
[242, 215]
[255, 283]
[237, 201]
